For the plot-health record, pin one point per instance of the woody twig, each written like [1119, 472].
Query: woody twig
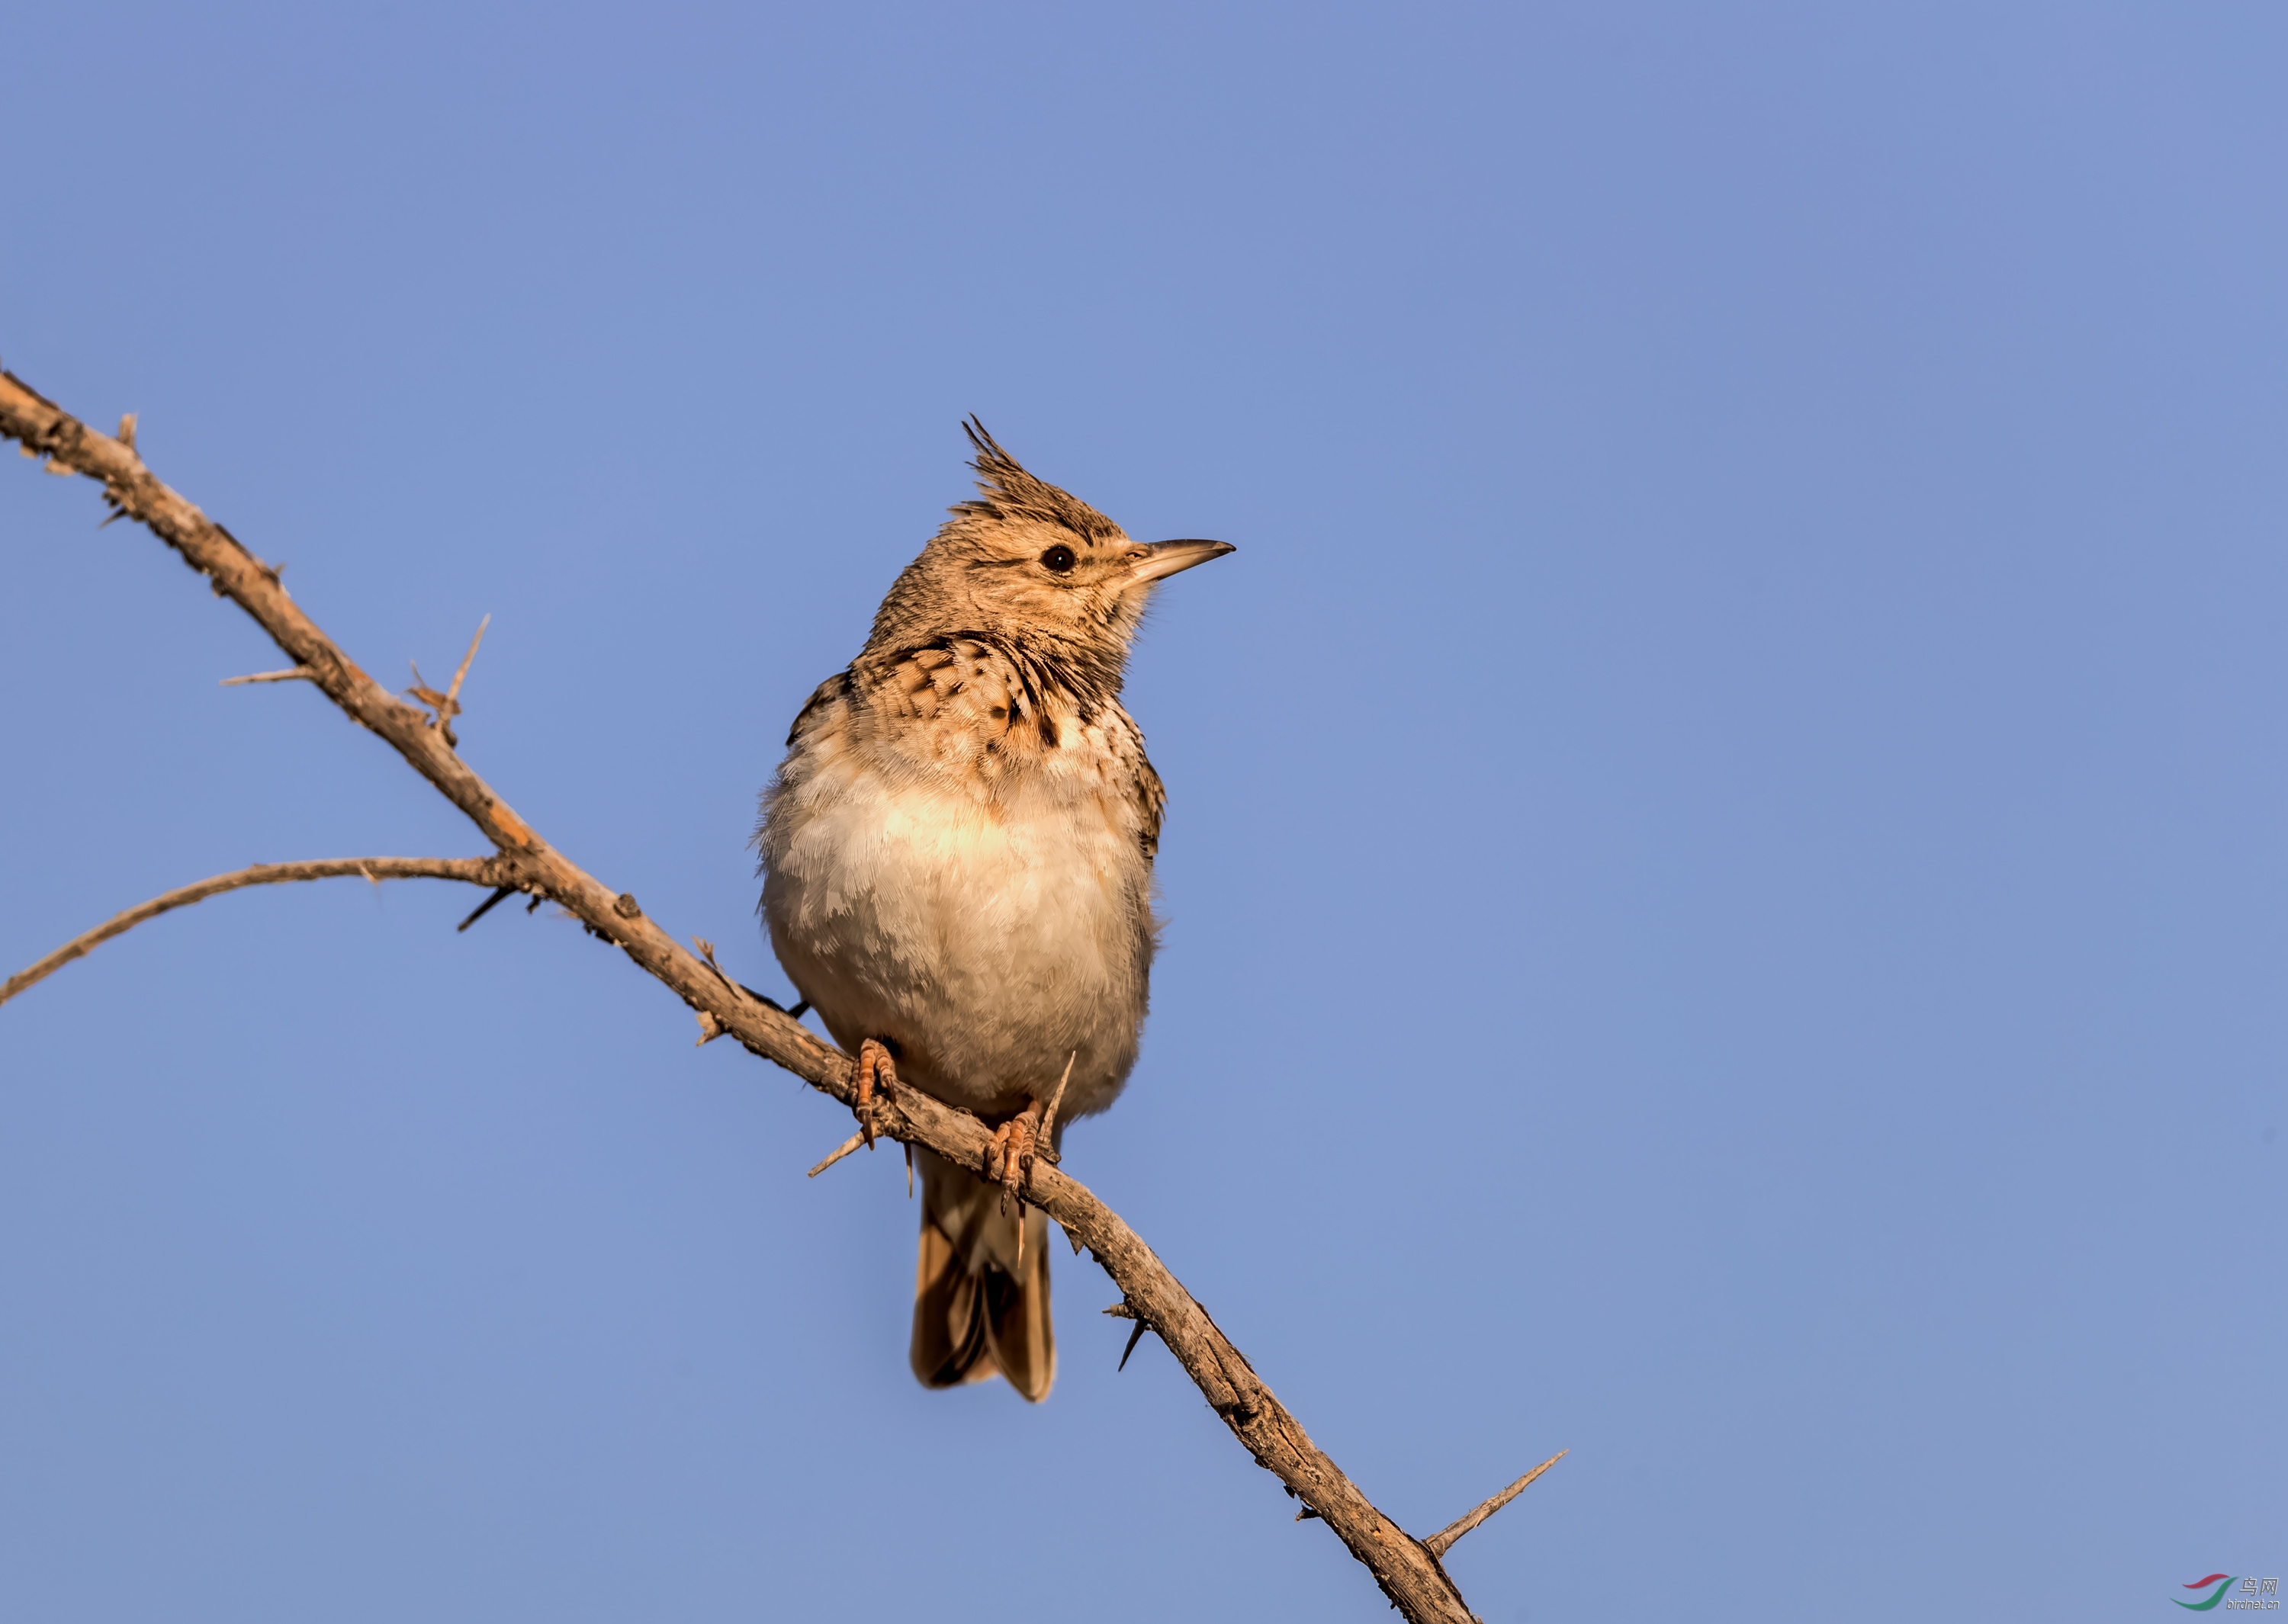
[473, 870]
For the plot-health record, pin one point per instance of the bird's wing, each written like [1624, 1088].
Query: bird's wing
[830, 694]
[1148, 798]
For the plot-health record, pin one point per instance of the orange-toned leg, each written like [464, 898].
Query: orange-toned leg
[874, 1063]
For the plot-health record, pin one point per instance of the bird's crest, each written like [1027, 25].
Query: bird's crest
[1005, 491]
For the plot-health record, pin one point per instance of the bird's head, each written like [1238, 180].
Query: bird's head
[1035, 570]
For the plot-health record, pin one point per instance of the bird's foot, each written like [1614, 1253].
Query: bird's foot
[1016, 1143]
[874, 1063]
[873, 1066]
[1025, 1139]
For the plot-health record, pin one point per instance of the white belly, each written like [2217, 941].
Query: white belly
[989, 941]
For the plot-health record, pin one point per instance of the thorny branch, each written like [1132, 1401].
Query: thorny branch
[1407, 1569]
[475, 870]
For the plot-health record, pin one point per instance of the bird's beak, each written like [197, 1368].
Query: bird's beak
[1166, 558]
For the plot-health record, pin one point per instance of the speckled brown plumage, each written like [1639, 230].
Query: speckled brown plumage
[957, 865]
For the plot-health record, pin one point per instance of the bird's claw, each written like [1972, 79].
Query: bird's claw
[1016, 1144]
[874, 1063]
[1025, 1139]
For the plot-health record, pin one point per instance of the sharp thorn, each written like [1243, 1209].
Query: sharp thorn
[770, 1002]
[1134, 1337]
[486, 907]
[1439, 1543]
[840, 1151]
[1049, 1120]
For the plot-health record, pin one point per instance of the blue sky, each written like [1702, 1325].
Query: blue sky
[1727, 852]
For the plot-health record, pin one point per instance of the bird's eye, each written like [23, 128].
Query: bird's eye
[1058, 560]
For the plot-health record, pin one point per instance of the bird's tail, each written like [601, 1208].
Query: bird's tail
[978, 1305]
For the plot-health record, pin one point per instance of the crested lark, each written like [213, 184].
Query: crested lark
[958, 874]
